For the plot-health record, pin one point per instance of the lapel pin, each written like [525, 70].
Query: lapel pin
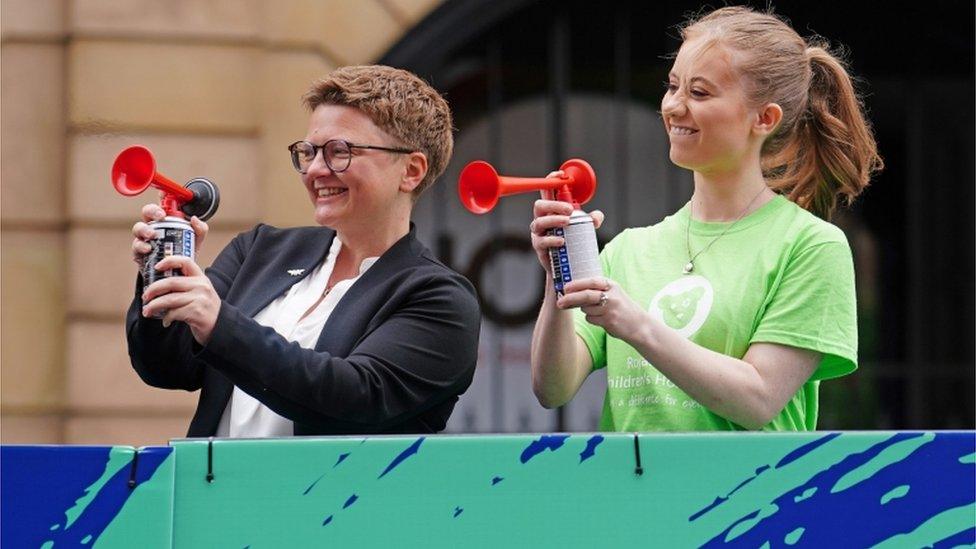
[296, 272]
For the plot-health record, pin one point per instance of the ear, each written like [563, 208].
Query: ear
[414, 171]
[767, 119]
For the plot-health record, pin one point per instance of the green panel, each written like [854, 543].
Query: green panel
[525, 490]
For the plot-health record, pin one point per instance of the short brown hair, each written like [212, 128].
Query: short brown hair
[398, 102]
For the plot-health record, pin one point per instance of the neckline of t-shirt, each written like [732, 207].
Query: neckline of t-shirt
[706, 228]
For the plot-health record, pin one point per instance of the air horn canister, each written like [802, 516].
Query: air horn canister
[480, 187]
[134, 171]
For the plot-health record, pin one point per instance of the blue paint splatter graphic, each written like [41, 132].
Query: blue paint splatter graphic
[759, 471]
[342, 457]
[352, 499]
[310, 486]
[496, 480]
[719, 500]
[457, 511]
[45, 481]
[590, 449]
[545, 442]
[411, 450]
[939, 483]
[805, 449]
[327, 520]
[964, 538]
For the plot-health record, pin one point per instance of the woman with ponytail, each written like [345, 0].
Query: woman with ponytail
[727, 314]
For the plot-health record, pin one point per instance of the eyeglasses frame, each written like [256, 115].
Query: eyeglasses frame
[350, 146]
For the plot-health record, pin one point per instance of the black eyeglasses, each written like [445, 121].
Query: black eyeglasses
[336, 152]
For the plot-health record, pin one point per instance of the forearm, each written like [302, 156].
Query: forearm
[402, 368]
[556, 364]
[165, 357]
[729, 387]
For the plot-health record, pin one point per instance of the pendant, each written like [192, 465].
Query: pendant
[689, 267]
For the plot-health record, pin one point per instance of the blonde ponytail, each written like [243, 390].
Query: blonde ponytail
[831, 153]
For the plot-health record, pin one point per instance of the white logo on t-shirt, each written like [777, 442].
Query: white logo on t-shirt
[683, 304]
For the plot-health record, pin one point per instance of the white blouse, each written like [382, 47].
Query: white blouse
[245, 416]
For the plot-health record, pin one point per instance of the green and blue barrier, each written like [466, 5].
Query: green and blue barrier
[851, 489]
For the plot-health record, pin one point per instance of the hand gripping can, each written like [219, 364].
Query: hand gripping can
[174, 236]
[579, 256]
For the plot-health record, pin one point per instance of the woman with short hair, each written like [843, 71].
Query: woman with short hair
[348, 327]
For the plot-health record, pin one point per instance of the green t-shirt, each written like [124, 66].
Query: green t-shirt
[780, 275]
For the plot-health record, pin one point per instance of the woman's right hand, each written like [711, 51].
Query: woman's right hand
[550, 214]
[143, 233]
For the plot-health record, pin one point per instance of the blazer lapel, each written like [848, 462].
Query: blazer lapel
[334, 337]
[300, 256]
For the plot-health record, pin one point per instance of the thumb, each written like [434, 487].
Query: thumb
[200, 230]
[598, 218]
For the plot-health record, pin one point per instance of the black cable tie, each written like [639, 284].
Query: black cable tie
[210, 475]
[638, 470]
[132, 470]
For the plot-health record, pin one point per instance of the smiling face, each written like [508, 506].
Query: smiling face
[371, 189]
[706, 112]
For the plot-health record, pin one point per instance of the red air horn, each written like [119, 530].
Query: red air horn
[480, 186]
[134, 171]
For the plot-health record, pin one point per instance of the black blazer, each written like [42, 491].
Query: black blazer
[398, 349]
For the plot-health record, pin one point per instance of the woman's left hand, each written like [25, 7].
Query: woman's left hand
[606, 305]
[190, 298]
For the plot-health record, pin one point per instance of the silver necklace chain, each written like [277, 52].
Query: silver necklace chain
[690, 266]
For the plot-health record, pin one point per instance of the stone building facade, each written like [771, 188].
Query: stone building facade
[213, 88]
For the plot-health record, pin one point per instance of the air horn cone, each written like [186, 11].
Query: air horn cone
[480, 186]
[133, 170]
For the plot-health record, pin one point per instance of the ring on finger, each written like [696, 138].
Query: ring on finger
[603, 299]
